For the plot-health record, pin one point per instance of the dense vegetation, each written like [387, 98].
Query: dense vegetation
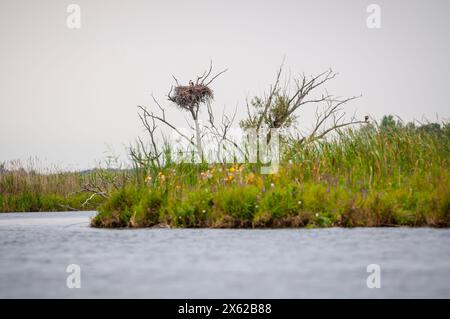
[32, 190]
[385, 175]
[378, 175]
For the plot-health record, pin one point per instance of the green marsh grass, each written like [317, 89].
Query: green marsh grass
[27, 188]
[387, 175]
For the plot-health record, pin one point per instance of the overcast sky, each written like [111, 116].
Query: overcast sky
[68, 96]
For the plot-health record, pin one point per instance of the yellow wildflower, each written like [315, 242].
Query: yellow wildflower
[259, 181]
[250, 178]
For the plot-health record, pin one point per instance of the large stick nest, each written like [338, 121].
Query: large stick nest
[190, 96]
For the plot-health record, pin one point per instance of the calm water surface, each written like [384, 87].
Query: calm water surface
[35, 249]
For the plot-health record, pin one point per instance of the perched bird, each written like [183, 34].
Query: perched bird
[191, 83]
[366, 118]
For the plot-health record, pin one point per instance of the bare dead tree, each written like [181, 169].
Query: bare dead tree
[280, 107]
[189, 98]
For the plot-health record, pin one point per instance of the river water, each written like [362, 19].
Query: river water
[36, 248]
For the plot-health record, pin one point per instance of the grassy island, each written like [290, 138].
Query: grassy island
[386, 175]
[389, 175]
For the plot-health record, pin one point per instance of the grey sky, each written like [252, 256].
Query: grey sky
[65, 95]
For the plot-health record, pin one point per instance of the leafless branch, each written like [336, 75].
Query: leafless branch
[163, 120]
[333, 112]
